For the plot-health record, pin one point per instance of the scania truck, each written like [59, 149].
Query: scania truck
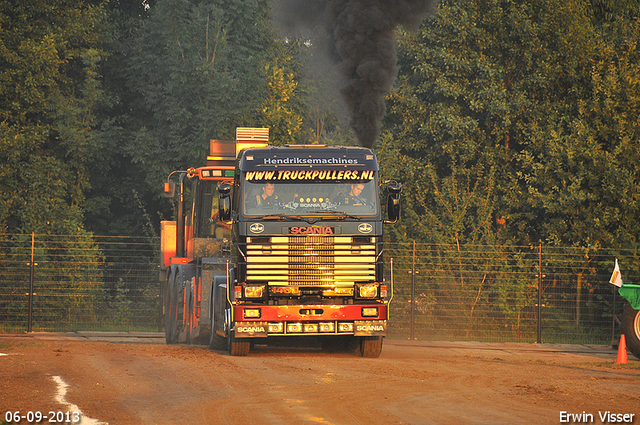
[286, 243]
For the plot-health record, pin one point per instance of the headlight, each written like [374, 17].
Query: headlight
[251, 313]
[345, 327]
[311, 327]
[276, 328]
[370, 312]
[253, 291]
[368, 291]
[294, 328]
[327, 327]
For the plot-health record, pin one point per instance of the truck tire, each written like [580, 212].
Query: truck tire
[188, 321]
[238, 346]
[631, 329]
[170, 313]
[371, 346]
[217, 342]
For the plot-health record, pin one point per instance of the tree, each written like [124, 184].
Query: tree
[490, 124]
[609, 119]
[515, 122]
[183, 72]
[283, 106]
[49, 93]
[302, 102]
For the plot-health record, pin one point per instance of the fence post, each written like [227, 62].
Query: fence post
[539, 324]
[413, 291]
[30, 319]
[613, 317]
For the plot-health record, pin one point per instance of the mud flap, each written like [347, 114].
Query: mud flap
[251, 329]
[370, 328]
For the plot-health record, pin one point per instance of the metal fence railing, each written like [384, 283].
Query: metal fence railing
[447, 292]
[500, 293]
[79, 283]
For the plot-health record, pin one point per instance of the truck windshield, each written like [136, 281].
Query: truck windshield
[295, 198]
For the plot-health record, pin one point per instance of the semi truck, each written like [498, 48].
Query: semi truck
[279, 243]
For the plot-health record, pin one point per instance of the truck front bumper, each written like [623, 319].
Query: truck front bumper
[357, 320]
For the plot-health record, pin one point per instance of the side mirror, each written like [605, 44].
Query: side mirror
[393, 201]
[169, 189]
[224, 204]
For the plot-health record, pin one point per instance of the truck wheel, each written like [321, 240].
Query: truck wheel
[217, 342]
[170, 313]
[371, 346]
[238, 346]
[631, 329]
[353, 345]
[188, 321]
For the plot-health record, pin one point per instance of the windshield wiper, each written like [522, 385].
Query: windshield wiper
[339, 215]
[280, 217]
[342, 215]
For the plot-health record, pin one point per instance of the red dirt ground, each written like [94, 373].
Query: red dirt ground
[140, 380]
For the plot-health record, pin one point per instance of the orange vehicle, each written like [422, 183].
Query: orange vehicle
[287, 243]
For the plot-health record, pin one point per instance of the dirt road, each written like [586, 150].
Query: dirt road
[147, 382]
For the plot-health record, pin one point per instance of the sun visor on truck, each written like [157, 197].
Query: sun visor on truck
[309, 164]
[316, 174]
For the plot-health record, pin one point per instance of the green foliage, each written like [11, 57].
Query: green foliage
[515, 123]
[100, 100]
[182, 72]
[49, 89]
[609, 10]
[299, 106]
[50, 95]
[508, 123]
[283, 110]
[193, 71]
[512, 123]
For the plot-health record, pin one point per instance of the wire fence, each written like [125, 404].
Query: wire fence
[441, 292]
[79, 283]
[505, 293]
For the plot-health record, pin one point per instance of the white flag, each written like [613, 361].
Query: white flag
[616, 278]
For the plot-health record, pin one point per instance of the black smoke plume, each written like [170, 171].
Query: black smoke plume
[360, 41]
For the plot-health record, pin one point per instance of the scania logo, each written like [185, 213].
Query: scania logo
[256, 228]
[251, 329]
[369, 328]
[313, 230]
[365, 228]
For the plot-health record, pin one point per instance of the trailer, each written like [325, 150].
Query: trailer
[280, 243]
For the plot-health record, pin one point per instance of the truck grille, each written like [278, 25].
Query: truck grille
[327, 261]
